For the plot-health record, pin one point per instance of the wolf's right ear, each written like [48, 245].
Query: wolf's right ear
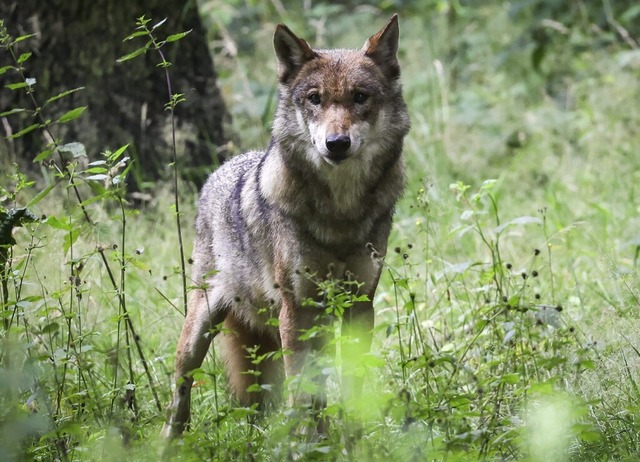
[292, 52]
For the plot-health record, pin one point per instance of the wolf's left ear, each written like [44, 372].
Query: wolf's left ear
[383, 46]
[292, 52]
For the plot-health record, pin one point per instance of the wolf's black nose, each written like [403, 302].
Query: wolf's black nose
[338, 144]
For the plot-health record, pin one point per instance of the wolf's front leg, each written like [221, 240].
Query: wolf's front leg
[299, 358]
[197, 333]
[357, 332]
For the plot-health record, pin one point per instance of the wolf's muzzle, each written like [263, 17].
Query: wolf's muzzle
[338, 145]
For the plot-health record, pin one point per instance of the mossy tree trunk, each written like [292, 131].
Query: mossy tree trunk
[77, 44]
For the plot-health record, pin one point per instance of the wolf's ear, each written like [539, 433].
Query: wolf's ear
[383, 46]
[292, 52]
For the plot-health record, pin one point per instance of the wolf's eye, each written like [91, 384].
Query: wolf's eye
[314, 98]
[360, 98]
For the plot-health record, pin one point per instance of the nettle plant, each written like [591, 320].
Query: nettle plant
[475, 345]
[51, 383]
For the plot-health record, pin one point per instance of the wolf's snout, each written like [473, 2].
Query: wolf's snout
[338, 144]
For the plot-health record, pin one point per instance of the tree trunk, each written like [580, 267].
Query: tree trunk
[77, 45]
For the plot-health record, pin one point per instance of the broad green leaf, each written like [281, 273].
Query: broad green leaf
[54, 222]
[72, 114]
[43, 155]
[23, 57]
[176, 37]
[510, 378]
[4, 69]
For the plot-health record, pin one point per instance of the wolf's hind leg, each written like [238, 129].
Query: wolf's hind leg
[205, 311]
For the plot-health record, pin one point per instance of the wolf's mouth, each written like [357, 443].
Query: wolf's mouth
[335, 159]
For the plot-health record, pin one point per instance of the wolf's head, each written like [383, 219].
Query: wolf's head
[340, 104]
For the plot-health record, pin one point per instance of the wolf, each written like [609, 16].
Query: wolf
[319, 201]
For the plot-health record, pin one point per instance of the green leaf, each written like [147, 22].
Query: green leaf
[71, 115]
[133, 54]
[96, 170]
[16, 86]
[140, 265]
[4, 69]
[58, 224]
[100, 193]
[43, 155]
[12, 111]
[23, 37]
[62, 95]
[118, 152]
[134, 35]
[176, 37]
[510, 379]
[24, 131]
[23, 57]
[41, 195]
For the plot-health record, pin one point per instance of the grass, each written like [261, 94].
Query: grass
[507, 315]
